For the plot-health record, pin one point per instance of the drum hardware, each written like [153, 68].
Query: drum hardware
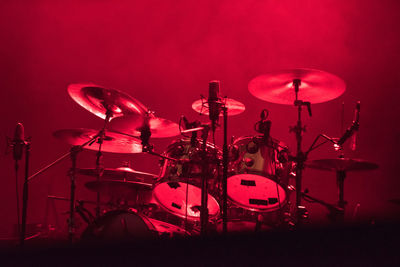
[309, 86]
[105, 103]
[335, 212]
[73, 155]
[341, 166]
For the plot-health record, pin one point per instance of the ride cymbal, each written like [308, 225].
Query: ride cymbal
[113, 142]
[316, 86]
[98, 100]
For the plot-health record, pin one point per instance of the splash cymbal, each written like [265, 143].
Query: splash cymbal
[118, 173]
[234, 107]
[316, 86]
[131, 124]
[113, 142]
[341, 164]
[98, 100]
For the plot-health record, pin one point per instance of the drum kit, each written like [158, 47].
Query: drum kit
[201, 189]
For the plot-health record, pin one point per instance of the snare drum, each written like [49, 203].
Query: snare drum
[260, 170]
[178, 190]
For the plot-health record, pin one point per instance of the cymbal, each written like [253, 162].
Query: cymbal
[234, 107]
[113, 142]
[118, 173]
[341, 164]
[97, 100]
[316, 86]
[120, 189]
[131, 124]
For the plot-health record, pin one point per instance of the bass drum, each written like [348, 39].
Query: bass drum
[259, 173]
[178, 191]
[123, 225]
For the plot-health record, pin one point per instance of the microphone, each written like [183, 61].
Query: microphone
[213, 102]
[263, 126]
[18, 141]
[186, 122]
[354, 127]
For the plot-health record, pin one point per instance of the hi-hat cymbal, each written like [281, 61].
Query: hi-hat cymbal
[234, 107]
[118, 173]
[98, 100]
[131, 124]
[316, 86]
[341, 164]
[113, 142]
[120, 189]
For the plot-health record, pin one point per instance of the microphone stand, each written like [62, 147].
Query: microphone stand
[25, 194]
[204, 184]
[225, 158]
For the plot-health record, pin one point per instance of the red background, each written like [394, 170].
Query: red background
[164, 53]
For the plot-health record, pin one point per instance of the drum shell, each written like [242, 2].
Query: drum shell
[251, 154]
[258, 174]
[184, 178]
[189, 168]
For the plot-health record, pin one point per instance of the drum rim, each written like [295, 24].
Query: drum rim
[188, 140]
[281, 145]
[114, 213]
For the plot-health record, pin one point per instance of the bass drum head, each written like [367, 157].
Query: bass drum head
[120, 225]
[172, 197]
[255, 192]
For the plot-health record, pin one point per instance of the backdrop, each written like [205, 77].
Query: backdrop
[164, 53]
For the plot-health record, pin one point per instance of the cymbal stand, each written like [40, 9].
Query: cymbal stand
[298, 129]
[73, 155]
[99, 156]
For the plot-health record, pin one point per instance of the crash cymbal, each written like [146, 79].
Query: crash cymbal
[120, 189]
[118, 173]
[97, 100]
[341, 164]
[316, 86]
[131, 124]
[113, 142]
[234, 107]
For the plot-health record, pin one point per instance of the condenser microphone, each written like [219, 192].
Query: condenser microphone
[213, 102]
[18, 141]
[354, 127]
